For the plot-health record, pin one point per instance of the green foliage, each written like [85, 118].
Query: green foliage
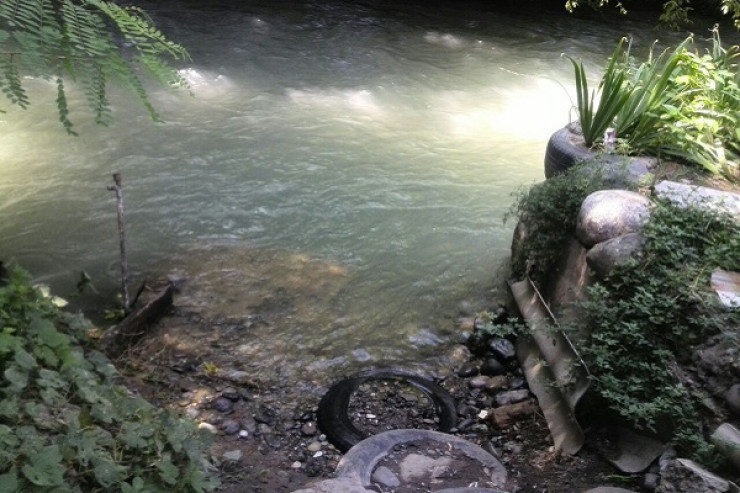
[679, 103]
[550, 210]
[611, 97]
[675, 13]
[89, 42]
[647, 315]
[64, 423]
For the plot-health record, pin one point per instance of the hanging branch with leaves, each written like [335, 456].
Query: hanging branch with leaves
[88, 42]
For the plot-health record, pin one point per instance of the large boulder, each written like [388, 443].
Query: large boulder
[684, 475]
[607, 214]
[609, 254]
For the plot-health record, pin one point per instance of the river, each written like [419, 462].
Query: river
[361, 155]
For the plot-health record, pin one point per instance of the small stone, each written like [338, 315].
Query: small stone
[231, 393]
[314, 447]
[208, 426]
[517, 383]
[511, 397]
[492, 367]
[233, 456]
[223, 405]
[370, 416]
[243, 434]
[308, 429]
[318, 453]
[230, 427]
[296, 465]
[732, 396]
[497, 383]
[263, 429]
[236, 376]
[502, 349]
[478, 382]
[385, 477]
[468, 370]
[192, 412]
[249, 424]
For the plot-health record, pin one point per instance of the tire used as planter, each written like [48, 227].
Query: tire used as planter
[564, 149]
[333, 414]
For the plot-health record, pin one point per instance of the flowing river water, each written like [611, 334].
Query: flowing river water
[349, 163]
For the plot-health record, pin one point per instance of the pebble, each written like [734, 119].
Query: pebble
[517, 383]
[233, 455]
[314, 447]
[223, 405]
[236, 376]
[263, 429]
[468, 370]
[497, 383]
[192, 412]
[243, 434]
[492, 367]
[503, 349]
[478, 382]
[511, 397]
[207, 426]
[230, 427]
[318, 453]
[231, 393]
[308, 429]
[732, 396]
[385, 477]
[297, 465]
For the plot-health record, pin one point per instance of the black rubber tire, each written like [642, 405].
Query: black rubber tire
[563, 152]
[333, 417]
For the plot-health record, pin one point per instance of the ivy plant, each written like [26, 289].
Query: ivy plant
[66, 425]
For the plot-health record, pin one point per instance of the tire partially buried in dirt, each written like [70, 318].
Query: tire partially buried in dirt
[333, 415]
[563, 151]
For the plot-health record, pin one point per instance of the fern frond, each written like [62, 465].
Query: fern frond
[62, 107]
[10, 82]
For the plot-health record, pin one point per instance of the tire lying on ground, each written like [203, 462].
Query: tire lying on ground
[333, 414]
[564, 149]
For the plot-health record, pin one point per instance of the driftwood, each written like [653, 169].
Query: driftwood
[116, 339]
[117, 187]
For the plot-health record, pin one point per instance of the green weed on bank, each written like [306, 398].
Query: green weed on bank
[66, 426]
[646, 317]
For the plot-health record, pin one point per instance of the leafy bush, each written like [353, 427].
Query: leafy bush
[678, 103]
[645, 317]
[550, 210]
[64, 424]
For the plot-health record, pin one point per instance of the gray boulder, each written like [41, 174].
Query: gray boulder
[607, 214]
[684, 475]
[607, 255]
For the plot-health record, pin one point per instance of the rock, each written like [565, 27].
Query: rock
[231, 393]
[233, 456]
[192, 412]
[345, 485]
[517, 383]
[223, 405]
[308, 429]
[468, 370]
[732, 396]
[607, 255]
[505, 416]
[727, 440]
[243, 434]
[651, 481]
[502, 349]
[296, 465]
[385, 476]
[477, 343]
[236, 376]
[497, 383]
[684, 475]
[314, 447]
[230, 427]
[492, 367]
[511, 397]
[607, 214]
[208, 426]
[709, 198]
[265, 415]
[478, 382]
